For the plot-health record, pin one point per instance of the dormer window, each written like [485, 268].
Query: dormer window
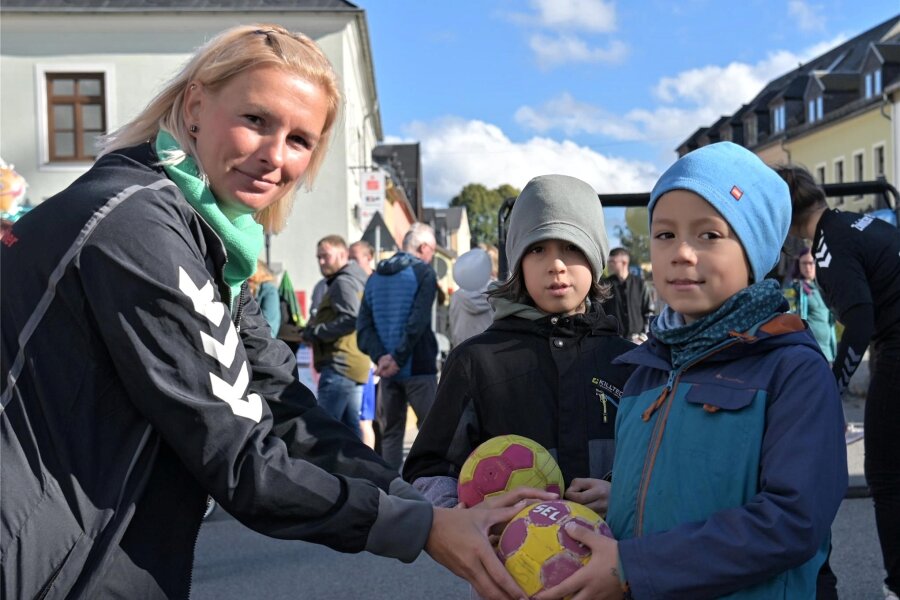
[873, 83]
[814, 110]
[751, 131]
[778, 118]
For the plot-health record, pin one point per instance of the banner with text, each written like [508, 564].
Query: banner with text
[373, 193]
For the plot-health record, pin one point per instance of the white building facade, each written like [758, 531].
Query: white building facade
[69, 72]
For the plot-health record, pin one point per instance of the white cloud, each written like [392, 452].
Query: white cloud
[560, 49]
[456, 152]
[687, 100]
[554, 24]
[808, 18]
[572, 117]
[587, 15]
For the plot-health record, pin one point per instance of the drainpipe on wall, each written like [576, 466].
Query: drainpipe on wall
[785, 149]
[894, 141]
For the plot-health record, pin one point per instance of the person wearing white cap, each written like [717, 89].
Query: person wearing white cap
[470, 312]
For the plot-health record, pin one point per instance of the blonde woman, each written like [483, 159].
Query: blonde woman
[139, 376]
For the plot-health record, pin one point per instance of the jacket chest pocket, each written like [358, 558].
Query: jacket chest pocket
[723, 427]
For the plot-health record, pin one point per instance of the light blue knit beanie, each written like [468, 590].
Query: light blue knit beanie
[748, 194]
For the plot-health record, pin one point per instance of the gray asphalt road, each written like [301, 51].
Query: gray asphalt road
[236, 563]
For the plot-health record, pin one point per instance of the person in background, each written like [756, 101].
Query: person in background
[394, 329]
[630, 302]
[495, 258]
[805, 298]
[138, 375]
[364, 254]
[730, 464]
[315, 297]
[331, 333]
[544, 368]
[858, 272]
[470, 312]
[263, 289]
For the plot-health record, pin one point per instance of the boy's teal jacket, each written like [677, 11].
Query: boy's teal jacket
[729, 470]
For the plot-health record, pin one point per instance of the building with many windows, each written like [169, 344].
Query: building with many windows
[838, 115]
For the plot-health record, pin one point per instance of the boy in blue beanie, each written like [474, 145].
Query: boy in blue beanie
[730, 458]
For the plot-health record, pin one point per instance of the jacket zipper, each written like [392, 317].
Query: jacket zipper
[655, 443]
[46, 589]
[236, 320]
[656, 437]
[239, 309]
[194, 552]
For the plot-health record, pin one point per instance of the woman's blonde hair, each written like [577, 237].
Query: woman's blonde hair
[213, 65]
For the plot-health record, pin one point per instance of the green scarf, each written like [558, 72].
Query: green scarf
[242, 235]
[747, 308]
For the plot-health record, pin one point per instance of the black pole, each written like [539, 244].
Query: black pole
[502, 218]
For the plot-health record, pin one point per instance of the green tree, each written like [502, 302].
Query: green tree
[635, 236]
[482, 205]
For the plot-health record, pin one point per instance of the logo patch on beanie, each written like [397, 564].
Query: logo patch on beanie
[736, 193]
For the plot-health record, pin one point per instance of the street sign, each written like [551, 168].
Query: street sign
[372, 186]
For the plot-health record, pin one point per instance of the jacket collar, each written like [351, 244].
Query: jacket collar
[781, 330]
[595, 322]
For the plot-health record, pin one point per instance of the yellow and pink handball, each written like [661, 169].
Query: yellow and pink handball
[504, 463]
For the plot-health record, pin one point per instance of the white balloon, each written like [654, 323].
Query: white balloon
[472, 270]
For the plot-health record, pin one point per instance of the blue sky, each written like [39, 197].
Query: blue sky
[498, 91]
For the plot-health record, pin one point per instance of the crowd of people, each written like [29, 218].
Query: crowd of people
[701, 414]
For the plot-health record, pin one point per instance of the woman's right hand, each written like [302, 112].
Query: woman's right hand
[519, 498]
[459, 541]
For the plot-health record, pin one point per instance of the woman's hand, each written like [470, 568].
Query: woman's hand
[599, 579]
[593, 493]
[519, 497]
[459, 541]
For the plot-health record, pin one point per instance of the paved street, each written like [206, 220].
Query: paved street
[236, 563]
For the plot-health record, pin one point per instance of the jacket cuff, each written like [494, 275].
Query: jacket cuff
[636, 578]
[401, 528]
[440, 490]
[400, 488]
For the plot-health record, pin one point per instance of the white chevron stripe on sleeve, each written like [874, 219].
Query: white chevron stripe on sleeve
[233, 395]
[202, 298]
[223, 352]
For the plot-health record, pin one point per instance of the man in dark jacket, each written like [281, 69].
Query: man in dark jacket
[342, 368]
[394, 329]
[631, 303]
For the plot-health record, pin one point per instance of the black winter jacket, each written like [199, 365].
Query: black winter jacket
[551, 380]
[130, 391]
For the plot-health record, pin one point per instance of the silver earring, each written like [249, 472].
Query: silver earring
[193, 129]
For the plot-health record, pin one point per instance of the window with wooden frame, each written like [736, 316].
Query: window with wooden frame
[76, 115]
